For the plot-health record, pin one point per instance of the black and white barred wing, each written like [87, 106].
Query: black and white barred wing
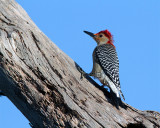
[106, 56]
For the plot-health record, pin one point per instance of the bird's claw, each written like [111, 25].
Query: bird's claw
[83, 74]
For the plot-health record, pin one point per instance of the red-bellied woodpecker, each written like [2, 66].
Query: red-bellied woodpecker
[105, 62]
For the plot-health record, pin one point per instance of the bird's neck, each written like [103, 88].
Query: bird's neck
[110, 42]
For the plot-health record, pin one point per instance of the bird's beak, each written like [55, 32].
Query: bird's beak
[90, 33]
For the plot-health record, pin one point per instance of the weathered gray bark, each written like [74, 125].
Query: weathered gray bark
[45, 85]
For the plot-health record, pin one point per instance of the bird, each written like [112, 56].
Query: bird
[106, 63]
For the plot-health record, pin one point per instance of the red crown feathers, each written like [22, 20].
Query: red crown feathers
[107, 34]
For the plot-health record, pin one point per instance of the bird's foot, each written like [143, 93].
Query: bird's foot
[83, 73]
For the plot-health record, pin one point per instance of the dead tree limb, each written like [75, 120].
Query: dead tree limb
[45, 85]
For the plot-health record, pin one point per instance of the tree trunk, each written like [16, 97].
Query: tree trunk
[45, 85]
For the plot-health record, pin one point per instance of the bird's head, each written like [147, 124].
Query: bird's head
[102, 37]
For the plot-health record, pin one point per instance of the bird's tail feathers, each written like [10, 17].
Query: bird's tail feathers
[122, 94]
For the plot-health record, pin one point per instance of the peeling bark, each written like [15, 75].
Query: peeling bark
[45, 85]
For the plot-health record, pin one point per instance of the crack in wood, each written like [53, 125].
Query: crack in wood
[53, 69]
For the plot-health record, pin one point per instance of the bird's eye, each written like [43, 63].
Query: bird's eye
[100, 35]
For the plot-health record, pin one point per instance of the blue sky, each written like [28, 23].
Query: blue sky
[135, 26]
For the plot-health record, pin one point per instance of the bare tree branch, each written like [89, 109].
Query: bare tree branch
[45, 85]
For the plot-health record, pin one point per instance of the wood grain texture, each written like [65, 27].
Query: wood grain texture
[44, 83]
